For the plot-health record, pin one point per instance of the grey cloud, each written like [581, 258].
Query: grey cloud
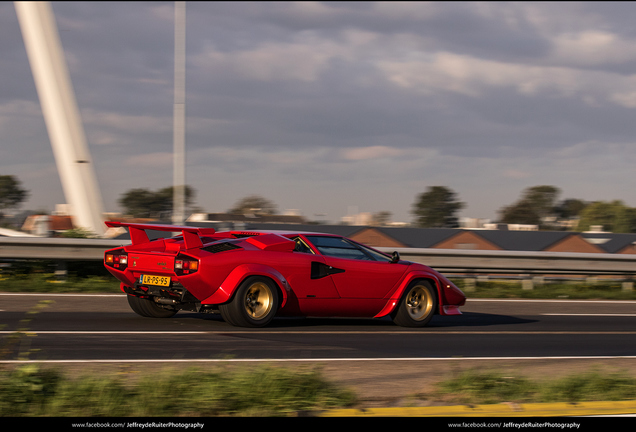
[457, 93]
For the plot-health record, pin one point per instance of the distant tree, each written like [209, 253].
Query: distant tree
[139, 203]
[543, 198]
[437, 208]
[78, 233]
[522, 212]
[569, 208]
[143, 203]
[254, 204]
[11, 192]
[536, 203]
[613, 216]
[381, 218]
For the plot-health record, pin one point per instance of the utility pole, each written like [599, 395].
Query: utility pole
[63, 122]
[178, 211]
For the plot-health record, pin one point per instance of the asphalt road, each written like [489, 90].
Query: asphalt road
[386, 365]
[103, 328]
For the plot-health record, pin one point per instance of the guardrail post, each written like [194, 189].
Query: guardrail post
[628, 286]
[591, 280]
[470, 284]
[527, 284]
[61, 270]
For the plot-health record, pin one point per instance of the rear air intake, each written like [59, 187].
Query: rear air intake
[221, 247]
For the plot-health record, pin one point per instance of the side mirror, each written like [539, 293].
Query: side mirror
[395, 258]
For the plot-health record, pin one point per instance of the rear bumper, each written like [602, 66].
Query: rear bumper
[175, 293]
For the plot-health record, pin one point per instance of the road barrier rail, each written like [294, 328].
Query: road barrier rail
[520, 262]
[455, 261]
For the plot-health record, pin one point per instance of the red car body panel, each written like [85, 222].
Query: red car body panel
[206, 268]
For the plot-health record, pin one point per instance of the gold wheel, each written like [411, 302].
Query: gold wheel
[254, 304]
[419, 302]
[259, 300]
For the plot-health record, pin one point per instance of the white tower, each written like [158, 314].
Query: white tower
[61, 115]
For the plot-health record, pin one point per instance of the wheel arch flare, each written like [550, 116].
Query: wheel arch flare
[437, 281]
[228, 287]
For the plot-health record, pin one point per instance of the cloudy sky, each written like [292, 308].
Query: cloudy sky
[331, 108]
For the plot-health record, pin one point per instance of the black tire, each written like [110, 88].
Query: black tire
[254, 304]
[417, 306]
[148, 308]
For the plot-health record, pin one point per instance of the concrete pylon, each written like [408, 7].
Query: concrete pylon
[63, 122]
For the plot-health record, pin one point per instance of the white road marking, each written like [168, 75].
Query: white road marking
[345, 359]
[591, 315]
[83, 332]
[471, 300]
[61, 295]
[319, 332]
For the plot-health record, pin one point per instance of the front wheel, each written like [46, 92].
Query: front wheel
[417, 306]
[254, 304]
[148, 308]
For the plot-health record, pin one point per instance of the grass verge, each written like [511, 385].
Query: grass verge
[566, 290]
[30, 391]
[478, 387]
[49, 283]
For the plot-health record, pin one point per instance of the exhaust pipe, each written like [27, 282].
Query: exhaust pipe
[165, 301]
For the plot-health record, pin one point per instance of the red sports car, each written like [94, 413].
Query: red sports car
[250, 277]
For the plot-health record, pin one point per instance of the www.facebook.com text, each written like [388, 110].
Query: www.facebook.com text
[140, 425]
[517, 425]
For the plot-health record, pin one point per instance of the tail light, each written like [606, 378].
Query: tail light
[117, 259]
[184, 265]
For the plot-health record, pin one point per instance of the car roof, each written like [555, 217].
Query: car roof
[279, 232]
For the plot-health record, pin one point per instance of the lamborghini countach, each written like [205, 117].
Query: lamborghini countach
[250, 277]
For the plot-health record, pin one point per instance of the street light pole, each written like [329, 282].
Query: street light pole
[178, 212]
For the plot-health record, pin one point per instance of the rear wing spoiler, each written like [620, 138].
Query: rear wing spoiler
[191, 235]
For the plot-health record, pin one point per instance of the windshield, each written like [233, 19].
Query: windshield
[342, 248]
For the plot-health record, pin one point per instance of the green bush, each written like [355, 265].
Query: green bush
[492, 387]
[262, 391]
[552, 290]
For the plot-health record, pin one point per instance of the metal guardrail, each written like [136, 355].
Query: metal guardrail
[520, 262]
[64, 249]
[443, 260]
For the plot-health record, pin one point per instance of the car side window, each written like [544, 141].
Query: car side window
[339, 248]
[301, 246]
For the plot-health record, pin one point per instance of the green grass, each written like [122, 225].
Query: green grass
[262, 391]
[563, 290]
[49, 283]
[39, 276]
[32, 391]
[475, 387]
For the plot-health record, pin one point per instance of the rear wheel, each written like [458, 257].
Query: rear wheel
[417, 306]
[254, 304]
[148, 308]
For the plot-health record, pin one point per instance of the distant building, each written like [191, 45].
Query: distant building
[5, 232]
[473, 223]
[359, 219]
[471, 239]
[246, 218]
[47, 225]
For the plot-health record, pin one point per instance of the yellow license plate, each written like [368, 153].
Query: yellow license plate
[155, 280]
